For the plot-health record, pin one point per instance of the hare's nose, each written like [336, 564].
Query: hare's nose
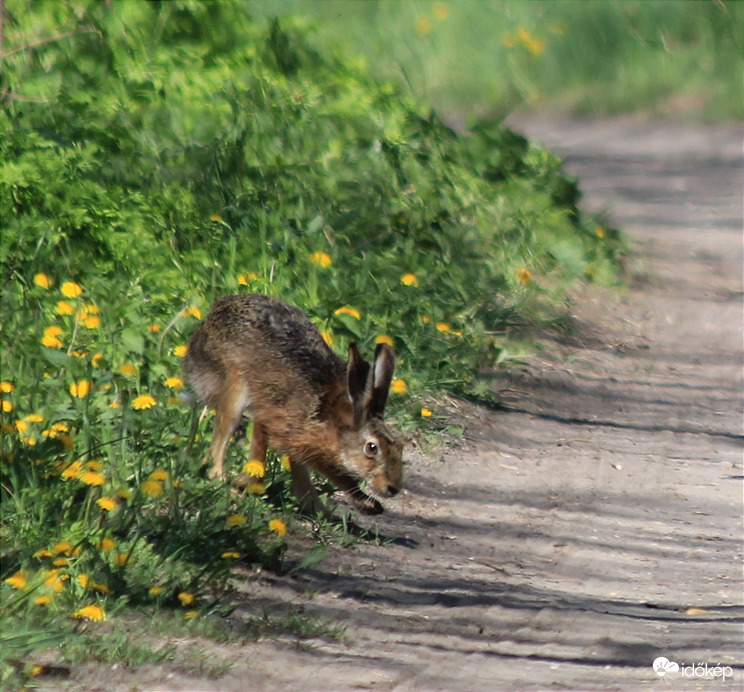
[392, 490]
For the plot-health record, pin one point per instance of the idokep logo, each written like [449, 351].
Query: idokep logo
[663, 667]
[669, 670]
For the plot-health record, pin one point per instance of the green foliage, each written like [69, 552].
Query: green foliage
[677, 58]
[158, 155]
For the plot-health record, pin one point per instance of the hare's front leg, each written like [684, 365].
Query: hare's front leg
[259, 445]
[305, 492]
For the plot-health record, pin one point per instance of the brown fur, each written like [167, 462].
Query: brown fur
[258, 353]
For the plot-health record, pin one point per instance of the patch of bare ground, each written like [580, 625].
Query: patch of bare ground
[592, 522]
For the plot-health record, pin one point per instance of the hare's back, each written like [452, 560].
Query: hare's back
[260, 333]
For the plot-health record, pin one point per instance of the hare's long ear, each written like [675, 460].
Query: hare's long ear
[383, 368]
[358, 383]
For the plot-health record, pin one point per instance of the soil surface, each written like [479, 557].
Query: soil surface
[587, 527]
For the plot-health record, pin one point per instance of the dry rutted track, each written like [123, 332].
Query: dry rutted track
[594, 524]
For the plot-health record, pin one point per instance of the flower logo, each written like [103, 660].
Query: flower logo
[663, 666]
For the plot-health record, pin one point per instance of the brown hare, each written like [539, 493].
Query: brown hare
[261, 354]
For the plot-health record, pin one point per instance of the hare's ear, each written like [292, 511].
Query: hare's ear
[383, 368]
[357, 382]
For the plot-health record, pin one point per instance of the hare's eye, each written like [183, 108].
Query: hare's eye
[370, 449]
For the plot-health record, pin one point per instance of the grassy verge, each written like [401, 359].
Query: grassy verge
[156, 156]
[678, 59]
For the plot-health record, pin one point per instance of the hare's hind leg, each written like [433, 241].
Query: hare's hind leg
[233, 400]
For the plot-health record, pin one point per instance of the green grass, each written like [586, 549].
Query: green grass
[677, 58]
[157, 156]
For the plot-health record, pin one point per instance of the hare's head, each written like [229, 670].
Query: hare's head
[371, 453]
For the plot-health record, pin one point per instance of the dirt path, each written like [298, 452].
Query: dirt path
[565, 544]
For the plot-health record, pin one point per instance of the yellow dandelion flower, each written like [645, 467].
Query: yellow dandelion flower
[43, 552]
[6, 387]
[216, 217]
[255, 468]
[245, 279]
[7, 406]
[327, 337]
[66, 441]
[73, 470]
[152, 488]
[155, 590]
[154, 328]
[398, 386]
[93, 465]
[91, 322]
[186, 598]
[121, 559]
[93, 478]
[43, 281]
[321, 259]
[425, 413]
[107, 504]
[279, 527]
[352, 312]
[235, 520]
[43, 600]
[256, 489]
[524, 275]
[115, 404]
[51, 337]
[159, 475]
[90, 612]
[286, 463]
[193, 312]
[61, 562]
[64, 308]
[62, 547]
[532, 44]
[231, 555]
[106, 545]
[124, 494]
[28, 441]
[174, 383]
[143, 402]
[21, 426]
[34, 418]
[70, 289]
[128, 369]
[83, 580]
[98, 586]
[443, 327]
[180, 351]
[409, 280]
[96, 359]
[384, 339]
[423, 25]
[53, 580]
[80, 389]
[441, 11]
[191, 614]
[17, 581]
